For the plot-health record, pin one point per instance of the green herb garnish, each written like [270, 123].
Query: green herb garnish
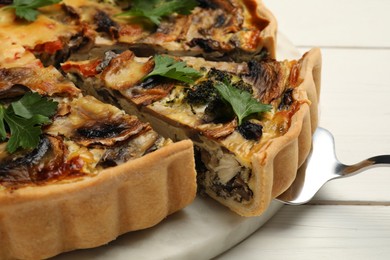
[154, 10]
[24, 119]
[27, 9]
[242, 102]
[166, 66]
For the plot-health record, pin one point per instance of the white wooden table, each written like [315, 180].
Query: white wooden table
[349, 218]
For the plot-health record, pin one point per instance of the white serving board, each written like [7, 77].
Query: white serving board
[202, 230]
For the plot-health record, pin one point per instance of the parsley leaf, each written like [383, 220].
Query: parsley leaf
[24, 119]
[27, 9]
[31, 104]
[24, 132]
[168, 67]
[242, 102]
[154, 10]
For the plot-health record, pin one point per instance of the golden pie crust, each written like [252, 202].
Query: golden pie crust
[42, 221]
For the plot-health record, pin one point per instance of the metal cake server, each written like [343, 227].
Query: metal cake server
[322, 166]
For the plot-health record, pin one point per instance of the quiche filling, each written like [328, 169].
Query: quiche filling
[84, 137]
[197, 110]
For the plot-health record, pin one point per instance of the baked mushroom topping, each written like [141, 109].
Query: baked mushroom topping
[44, 163]
[45, 81]
[91, 122]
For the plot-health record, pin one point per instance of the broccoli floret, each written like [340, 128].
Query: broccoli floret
[201, 93]
[219, 75]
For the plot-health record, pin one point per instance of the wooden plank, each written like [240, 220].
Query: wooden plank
[320, 232]
[354, 97]
[336, 23]
[355, 107]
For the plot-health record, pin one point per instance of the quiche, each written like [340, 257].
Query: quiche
[154, 101]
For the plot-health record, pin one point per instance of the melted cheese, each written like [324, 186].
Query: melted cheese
[87, 9]
[30, 34]
[89, 157]
[16, 55]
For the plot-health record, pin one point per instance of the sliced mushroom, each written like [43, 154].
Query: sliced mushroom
[267, 79]
[133, 149]
[46, 81]
[91, 122]
[124, 71]
[219, 130]
[13, 92]
[33, 166]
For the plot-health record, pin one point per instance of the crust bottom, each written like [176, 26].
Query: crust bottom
[40, 222]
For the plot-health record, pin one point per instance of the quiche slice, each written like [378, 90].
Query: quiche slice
[243, 159]
[234, 29]
[95, 173]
